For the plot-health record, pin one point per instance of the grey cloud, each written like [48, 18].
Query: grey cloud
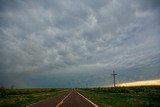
[75, 43]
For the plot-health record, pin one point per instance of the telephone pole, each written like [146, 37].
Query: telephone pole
[114, 81]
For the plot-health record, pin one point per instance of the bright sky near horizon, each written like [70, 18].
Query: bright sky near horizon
[141, 83]
[78, 43]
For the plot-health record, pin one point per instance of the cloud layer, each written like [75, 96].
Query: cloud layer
[58, 43]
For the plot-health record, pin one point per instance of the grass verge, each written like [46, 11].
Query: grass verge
[24, 97]
[148, 96]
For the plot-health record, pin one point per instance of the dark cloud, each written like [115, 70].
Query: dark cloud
[57, 43]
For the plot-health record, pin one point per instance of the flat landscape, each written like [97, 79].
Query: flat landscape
[144, 96]
[24, 97]
[79, 53]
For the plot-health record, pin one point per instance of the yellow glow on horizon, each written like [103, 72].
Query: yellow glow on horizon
[140, 83]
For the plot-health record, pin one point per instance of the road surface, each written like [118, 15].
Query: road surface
[67, 99]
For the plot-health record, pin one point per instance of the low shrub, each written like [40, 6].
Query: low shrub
[3, 92]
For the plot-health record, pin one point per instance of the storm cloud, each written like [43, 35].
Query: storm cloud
[78, 43]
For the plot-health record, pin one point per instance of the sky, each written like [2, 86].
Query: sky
[78, 43]
[141, 83]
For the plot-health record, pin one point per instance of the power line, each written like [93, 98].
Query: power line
[114, 81]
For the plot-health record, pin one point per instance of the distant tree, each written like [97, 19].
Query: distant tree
[3, 92]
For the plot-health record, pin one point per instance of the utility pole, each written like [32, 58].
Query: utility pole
[114, 81]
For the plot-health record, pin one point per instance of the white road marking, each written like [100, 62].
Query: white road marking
[62, 101]
[36, 102]
[42, 100]
[87, 99]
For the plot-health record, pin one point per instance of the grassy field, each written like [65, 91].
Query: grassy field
[23, 97]
[147, 96]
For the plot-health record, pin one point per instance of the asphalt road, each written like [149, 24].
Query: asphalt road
[67, 99]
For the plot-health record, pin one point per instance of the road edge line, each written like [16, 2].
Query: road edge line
[36, 102]
[87, 99]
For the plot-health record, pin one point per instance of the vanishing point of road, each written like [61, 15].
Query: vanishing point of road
[67, 99]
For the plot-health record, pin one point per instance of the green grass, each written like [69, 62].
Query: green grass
[148, 96]
[23, 97]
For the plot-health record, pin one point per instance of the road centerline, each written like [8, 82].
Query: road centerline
[61, 102]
